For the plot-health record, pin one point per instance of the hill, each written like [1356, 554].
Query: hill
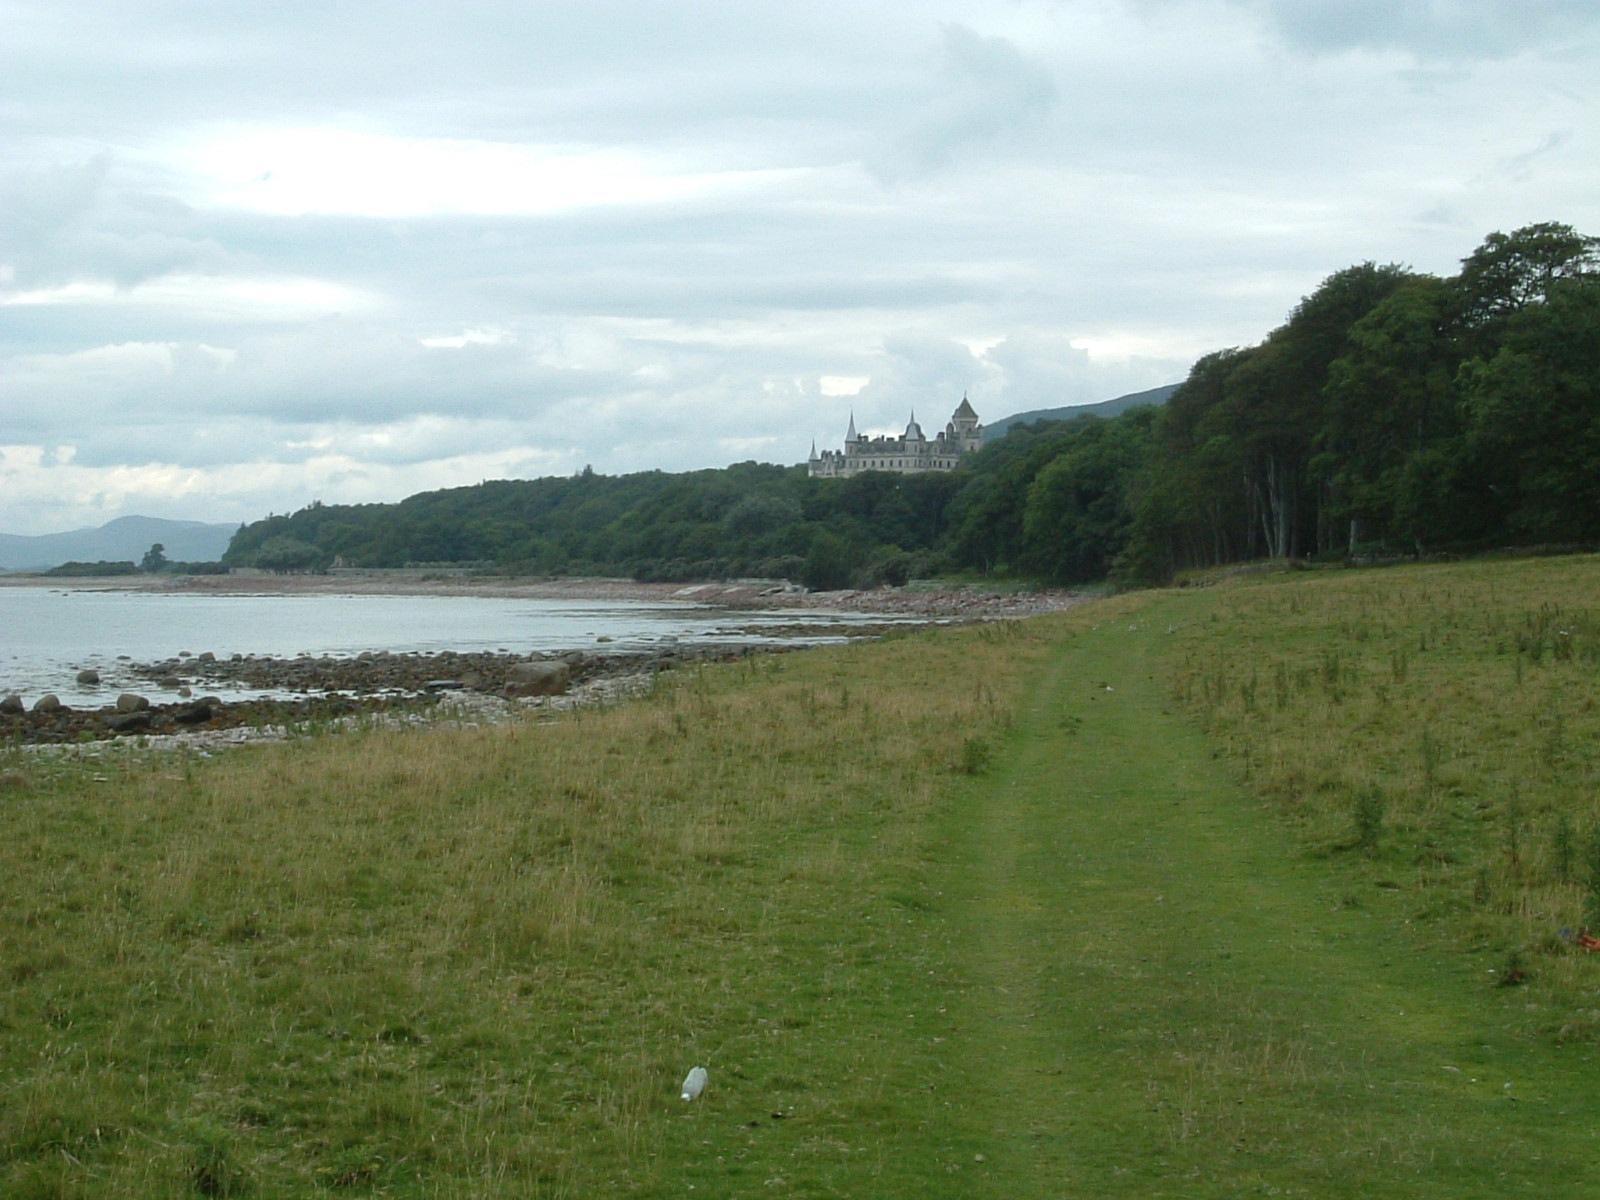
[126, 538]
[1392, 414]
[1106, 408]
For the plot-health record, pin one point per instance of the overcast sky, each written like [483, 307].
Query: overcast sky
[255, 253]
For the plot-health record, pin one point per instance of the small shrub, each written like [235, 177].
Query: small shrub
[1591, 900]
[1515, 971]
[1562, 847]
[976, 755]
[1366, 812]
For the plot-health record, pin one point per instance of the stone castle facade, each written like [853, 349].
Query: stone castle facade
[906, 454]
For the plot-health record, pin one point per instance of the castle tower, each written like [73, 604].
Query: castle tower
[964, 427]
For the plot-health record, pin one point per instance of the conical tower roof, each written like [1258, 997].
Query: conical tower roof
[966, 410]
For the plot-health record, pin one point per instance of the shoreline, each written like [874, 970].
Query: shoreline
[372, 685]
[965, 601]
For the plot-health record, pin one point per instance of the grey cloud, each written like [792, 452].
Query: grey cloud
[67, 222]
[1433, 30]
[1122, 174]
[986, 89]
[1043, 369]
[922, 372]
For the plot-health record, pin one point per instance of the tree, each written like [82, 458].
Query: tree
[1533, 413]
[829, 564]
[155, 559]
[1513, 270]
[1392, 403]
[1078, 510]
[287, 555]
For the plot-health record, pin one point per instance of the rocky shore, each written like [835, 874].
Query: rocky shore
[413, 687]
[400, 687]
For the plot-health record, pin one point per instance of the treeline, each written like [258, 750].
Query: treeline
[1392, 413]
[750, 519]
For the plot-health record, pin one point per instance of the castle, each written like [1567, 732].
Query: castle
[906, 454]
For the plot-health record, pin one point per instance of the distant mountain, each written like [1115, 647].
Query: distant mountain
[1106, 408]
[126, 538]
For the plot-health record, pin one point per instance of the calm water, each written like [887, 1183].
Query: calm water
[48, 634]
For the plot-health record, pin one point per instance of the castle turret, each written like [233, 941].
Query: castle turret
[964, 426]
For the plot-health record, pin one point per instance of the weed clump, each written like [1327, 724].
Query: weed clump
[1482, 888]
[1562, 848]
[1514, 973]
[212, 1170]
[1366, 814]
[977, 753]
[1591, 899]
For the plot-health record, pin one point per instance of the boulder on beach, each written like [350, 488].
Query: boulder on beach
[49, 703]
[88, 677]
[538, 678]
[12, 705]
[128, 702]
[128, 722]
[195, 714]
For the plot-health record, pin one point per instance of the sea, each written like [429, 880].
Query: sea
[49, 634]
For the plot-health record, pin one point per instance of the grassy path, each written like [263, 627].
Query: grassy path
[1164, 999]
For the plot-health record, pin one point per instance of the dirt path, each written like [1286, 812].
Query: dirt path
[1165, 999]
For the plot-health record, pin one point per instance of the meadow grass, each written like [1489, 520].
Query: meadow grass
[1175, 992]
[1432, 731]
[479, 962]
[1199, 894]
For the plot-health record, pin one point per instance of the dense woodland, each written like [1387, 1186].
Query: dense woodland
[1393, 413]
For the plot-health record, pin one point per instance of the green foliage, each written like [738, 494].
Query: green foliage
[289, 555]
[1392, 413]
[79, 570]
[828, 564]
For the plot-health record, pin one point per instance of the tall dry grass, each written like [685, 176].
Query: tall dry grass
[1437, 728]
[477, 962]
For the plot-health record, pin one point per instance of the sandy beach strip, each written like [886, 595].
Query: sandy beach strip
[972, 602]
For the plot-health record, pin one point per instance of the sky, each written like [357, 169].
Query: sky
[260, 253]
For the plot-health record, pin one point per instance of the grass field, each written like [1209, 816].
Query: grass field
[1251, 889]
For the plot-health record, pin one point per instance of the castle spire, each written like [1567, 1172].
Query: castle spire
[851, 436]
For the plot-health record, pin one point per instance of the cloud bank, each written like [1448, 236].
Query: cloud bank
[256, 256]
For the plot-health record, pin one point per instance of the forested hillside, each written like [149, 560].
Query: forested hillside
[1393, 412]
